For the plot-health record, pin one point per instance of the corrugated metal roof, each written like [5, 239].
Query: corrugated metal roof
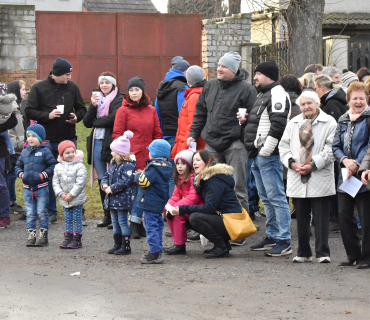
[143, 6]
[346, 18]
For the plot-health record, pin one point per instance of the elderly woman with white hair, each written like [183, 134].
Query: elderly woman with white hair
[306, 150]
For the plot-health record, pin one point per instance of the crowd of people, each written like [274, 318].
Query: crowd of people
[201, 150]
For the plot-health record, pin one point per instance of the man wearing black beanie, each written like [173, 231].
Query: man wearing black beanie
[56, 90]
[265, 127]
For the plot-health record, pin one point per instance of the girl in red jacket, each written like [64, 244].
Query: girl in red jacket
[184, 194]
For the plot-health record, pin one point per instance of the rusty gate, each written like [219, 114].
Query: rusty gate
[127, 44]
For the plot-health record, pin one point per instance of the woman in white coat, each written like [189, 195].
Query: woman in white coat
[306, 150]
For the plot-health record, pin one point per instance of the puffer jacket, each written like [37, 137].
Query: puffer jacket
[120, 179]
[217, 190]
[71, 177]
[321, 182]
[35, 165]
[334, 103]
[215, 116]
[153, 185]
[267, 121]
[353, 134]
[186, 119]
[185, 194]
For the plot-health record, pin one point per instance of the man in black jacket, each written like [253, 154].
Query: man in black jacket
[45, 96]
[215, 119]
[266, 124]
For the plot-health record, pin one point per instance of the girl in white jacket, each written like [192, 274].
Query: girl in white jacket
[69, 182]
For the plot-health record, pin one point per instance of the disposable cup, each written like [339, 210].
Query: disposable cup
[60, 107]
[193, 146]
[242, 112]
[203, 241]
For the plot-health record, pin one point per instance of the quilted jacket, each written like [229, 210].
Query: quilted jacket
[71, 177]
[321, 183]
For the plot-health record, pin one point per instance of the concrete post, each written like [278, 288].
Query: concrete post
[337, 51]
[246, 53]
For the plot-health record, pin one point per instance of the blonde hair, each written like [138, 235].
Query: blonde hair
[122, 157]
[307, 80]
[22, 83]
[323, 80]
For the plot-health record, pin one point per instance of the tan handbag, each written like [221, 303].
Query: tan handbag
[238, 225]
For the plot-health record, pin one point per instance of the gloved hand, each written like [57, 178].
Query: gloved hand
[169, 216]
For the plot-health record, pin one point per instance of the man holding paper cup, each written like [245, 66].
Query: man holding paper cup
[56, 103]
[219, 121]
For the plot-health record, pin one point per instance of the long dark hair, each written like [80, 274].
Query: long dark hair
[207, 158]
[291, 83]
[108, 74]
[144, 100]
[185, 176]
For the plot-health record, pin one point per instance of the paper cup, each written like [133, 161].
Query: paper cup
[203, 241]
[60, 107]
[193, 146]
[242, 112]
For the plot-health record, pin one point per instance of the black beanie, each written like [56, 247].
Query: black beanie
[136, 82]
[61, 66]
[269, 69]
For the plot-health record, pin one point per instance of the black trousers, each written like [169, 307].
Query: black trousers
[320, 208]
[210, 226]
[348, 225]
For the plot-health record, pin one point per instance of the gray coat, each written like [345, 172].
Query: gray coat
[71, 177]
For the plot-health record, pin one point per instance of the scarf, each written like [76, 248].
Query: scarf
[354, 116]
[104, 103]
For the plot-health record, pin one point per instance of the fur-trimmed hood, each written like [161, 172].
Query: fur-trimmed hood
[7, 104]
[217, 169]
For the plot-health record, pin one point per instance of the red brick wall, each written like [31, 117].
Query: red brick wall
[28, 76]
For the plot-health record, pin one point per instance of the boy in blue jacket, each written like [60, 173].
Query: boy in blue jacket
[153, 196]
[34, 166]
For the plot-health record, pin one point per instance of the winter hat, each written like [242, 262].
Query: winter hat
[348, 78]
[64, 145]
[159, 148]
[231, 60]
[194, 74]
[3, 89]
[136, 82]
[122, 144]
[178, 63]
[37, 130]
[269, 69]
[61, 66]
[186, 155]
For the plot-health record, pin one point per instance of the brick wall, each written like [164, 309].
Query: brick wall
[17, 43]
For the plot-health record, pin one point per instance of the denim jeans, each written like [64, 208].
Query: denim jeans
[4, 193]
[10, 180]
[268, 172]
[136, 214]
[35, 203]
[171, 183]
[73, 219]
[100, 167]
[52, 204]
[119, 222]
[154, 228]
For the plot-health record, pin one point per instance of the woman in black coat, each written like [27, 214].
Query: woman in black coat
[216, 184]
[100, 116]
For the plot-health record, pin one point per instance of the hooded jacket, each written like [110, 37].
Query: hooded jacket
[215, 116]
[186, 119]
[71, 177]
[43, 99]
[217, 190]
[9, 124]
[8, 106]
[334, 103]
[35, 165]
[170, 97]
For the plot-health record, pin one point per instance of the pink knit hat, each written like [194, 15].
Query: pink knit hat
[186, 155]
[64, 145]
[122, 145]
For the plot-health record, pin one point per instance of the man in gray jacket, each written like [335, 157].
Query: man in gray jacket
[215, 119]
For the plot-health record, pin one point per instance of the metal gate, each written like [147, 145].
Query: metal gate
[127, 44]
[359, 56]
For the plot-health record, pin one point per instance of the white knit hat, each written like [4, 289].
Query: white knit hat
[348, 78]
[186, 155]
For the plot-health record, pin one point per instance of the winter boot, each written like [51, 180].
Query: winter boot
[4, 222]
[67, 240]
[106, 220]
[125, 249]
[76, 241]
[134, 230]
[43, 238]
[31, 238]
[175, 249]
[117, 243]
[141, 230]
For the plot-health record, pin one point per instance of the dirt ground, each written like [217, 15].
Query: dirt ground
[36, 283]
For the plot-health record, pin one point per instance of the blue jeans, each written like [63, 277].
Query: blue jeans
[100, 167]
[52, 204]
[4, 193]
[171, 183]
[268, 172]
[10, 180]
[154, 228]
[73, 218]
[136, 214]
[35, 203]
[119, 222]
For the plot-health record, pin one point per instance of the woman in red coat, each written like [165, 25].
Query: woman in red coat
[141, 118]
[195, 78]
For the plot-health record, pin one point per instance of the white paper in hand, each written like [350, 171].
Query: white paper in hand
[350, 185]
[169, 208]
[193, 146]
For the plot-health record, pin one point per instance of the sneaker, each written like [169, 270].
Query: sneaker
[266, 244]
[53, 218]
[152, 258]
[237, 242]
[302, 259]
[282, 248]
[17, 208]
[42, 241]
[4, 222]
[324, 260]
[31, 241]
[193, 236]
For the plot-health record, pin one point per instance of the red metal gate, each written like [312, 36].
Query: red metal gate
[127, 44]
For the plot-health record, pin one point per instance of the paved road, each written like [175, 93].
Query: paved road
[36, 283]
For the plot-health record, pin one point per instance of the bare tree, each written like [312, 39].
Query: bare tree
[209, 9]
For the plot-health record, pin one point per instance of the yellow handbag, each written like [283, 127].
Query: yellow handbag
[238, 225]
